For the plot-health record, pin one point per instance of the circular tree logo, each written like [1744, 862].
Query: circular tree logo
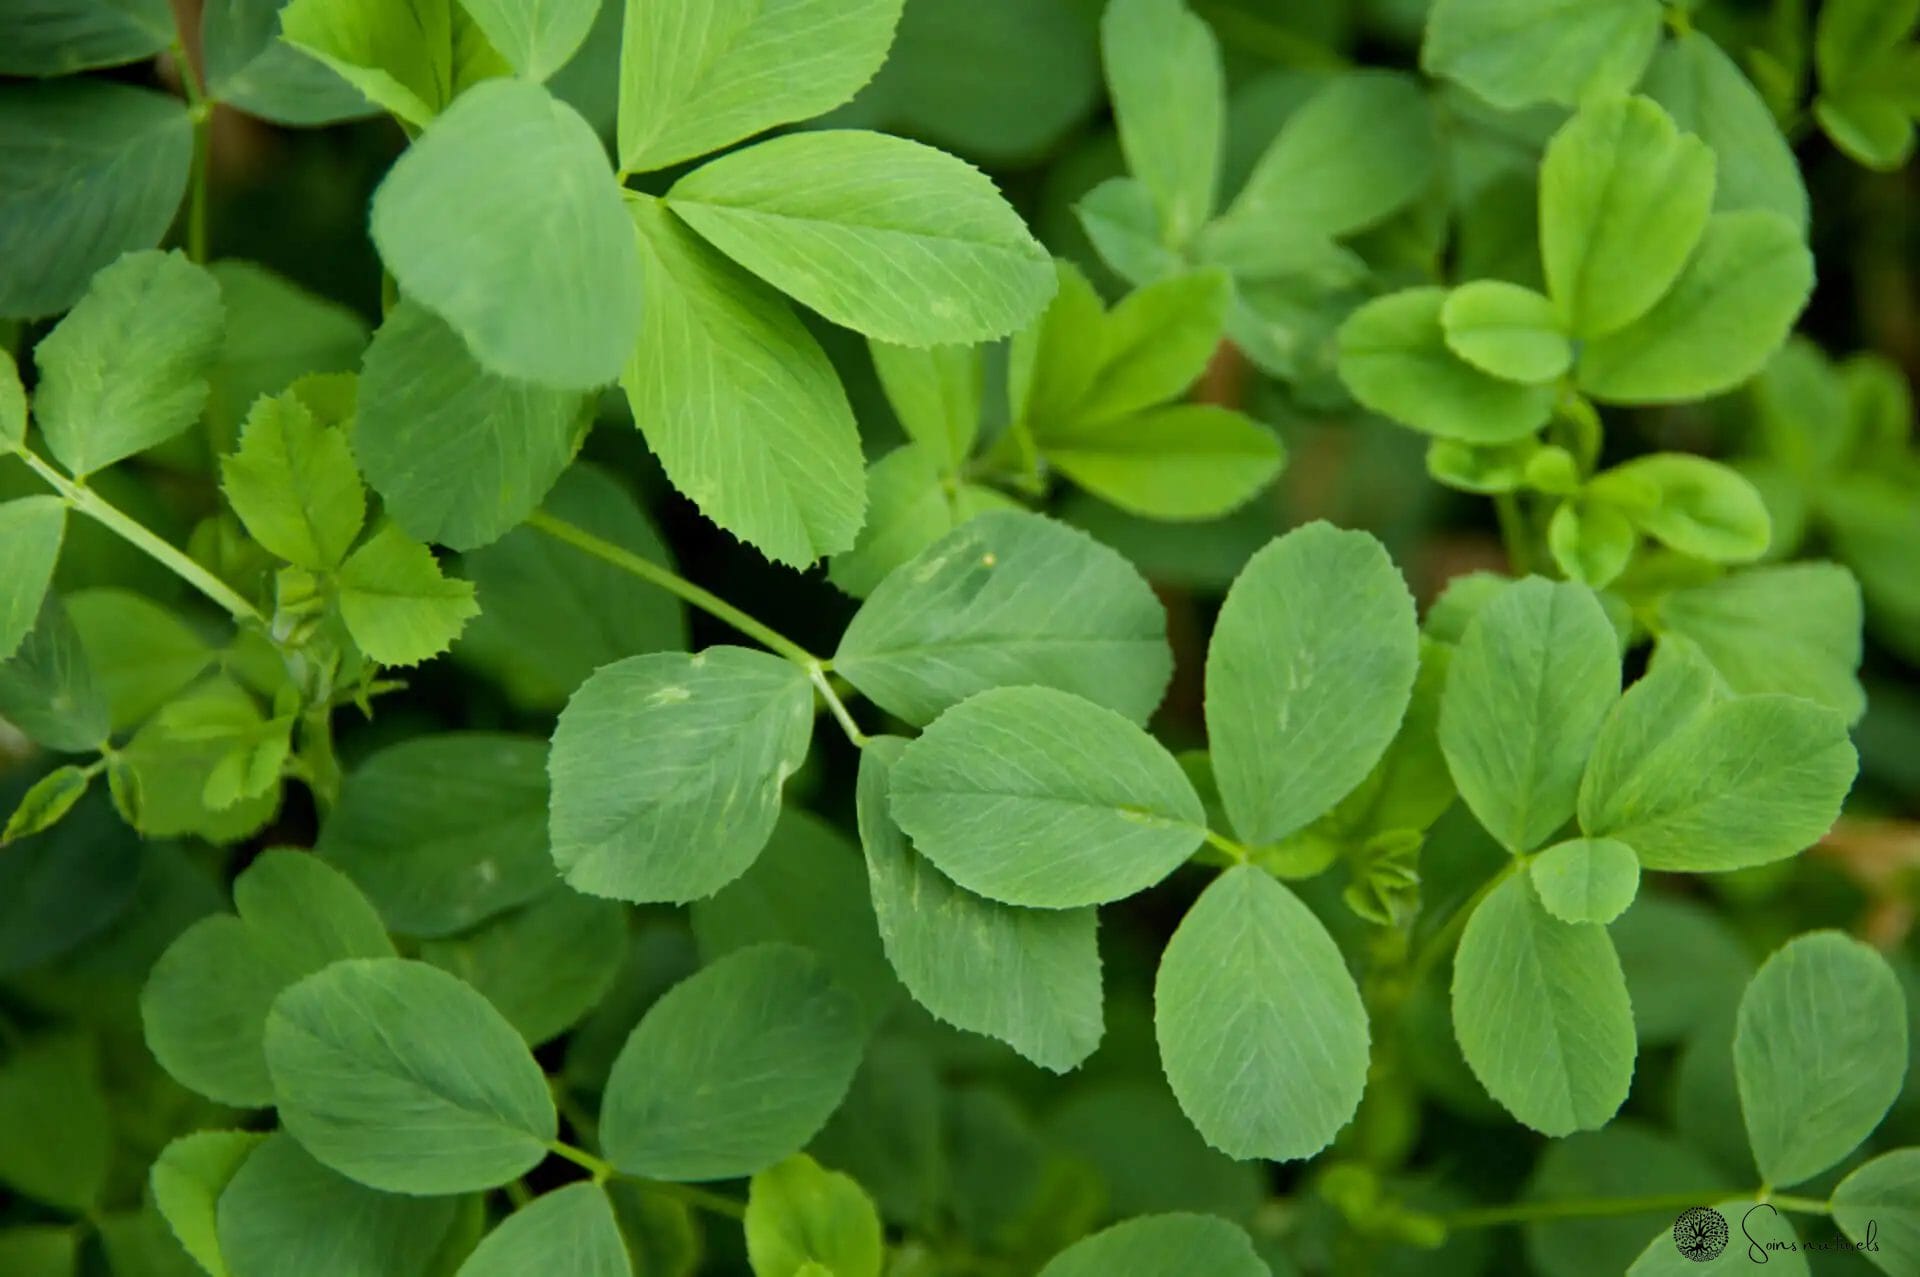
[1700, 1233]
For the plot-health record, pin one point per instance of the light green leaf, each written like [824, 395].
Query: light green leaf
[509, 165]
[205, 1004]
[1624, 197]
[1169, 99]
[1793, 628]
[1728, 311]
[667, 770]
[1541, 1011]
[13, 402]
[293, 483]
[570, 1231]
[537, 38]
[739, 402]
[1394, 358]
[111, 384]
[398, 53]
[1697, 781]
[1697, 506]
[1873, 129]
[1036, 797]
[697, 75]
[1504, 329]
[935, 392]
[1852, 37]
[173, 760]
[1190, 461]
[1881, 1199]
[734, 1069]
[1591, 541]
[912, 502]
[444, 831]
[54, 1112]
[545, 965]
[1308, 676]
[551, 615]
[1175, 1245]
[406, 1079]
[458, 455]
[396, 603]
[1357, 149]
[1515, 53]
[59, 37]
[1119, 217]
[801, 1217]
[1707, 95]
[31, 528]
[1052, 362]
[1010, 598]
[286, 1215]
[1820, 1053]
[1534, 676]
[1153, 346]
[888, 237]
[187, 1180]
[1261, 1028]
[1030, 977]
[1586, 879]
[46, 801]
[89, 170]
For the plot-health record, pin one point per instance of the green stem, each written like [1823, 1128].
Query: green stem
[322, 764]
[94, 506]
[1592, 1207]
[518, 1193]
[200, 111]
[1236, 850]
[818, 673]
[603, 1170]
[675, 584]
[1513, 532]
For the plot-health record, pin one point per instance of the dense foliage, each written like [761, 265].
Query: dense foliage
[616, 663]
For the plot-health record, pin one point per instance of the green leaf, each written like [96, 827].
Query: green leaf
[912, 501]
[205, 1004]
[801, 1217]
[739, 402]
[1586, 879]
[458, 455]
[1308, 676]
[509, 165]
[734, 1069]
[400, 56]
[1873, 129]
[1515, 53]
[1169, 99]
[543, 966]
[570, 1231]
[1591, 541]
[187, 1180]
[1506, 330]
[667, 770]
[935, 392]
[1707, 95]
[1261, 1028]
[1729, 310]
[112, 384]
[91, 170]
[286, 1215]
[1881, 1199]
[54, 1111]
[698, 75]
[1009, 598]
[61, 887]
[1541, 1011]
[539, 38]
[1534, 676]
[1756, 1228]
[1697, 781]
[277, 332]
[1697, 506]
[249, 67]
[395, 602]
[1793, 628]
[404, 1078]
[31, 528]
[1357, 149]
[1033, 796]
[444, 831]
[1820, 1053]
[1394, 358]
[41, 1250]
[1052, 363]
[1191, 461]
[1685, 969]
[50, 798]
[13, 403]
[174, 758]
[1153, 346]
[1174, 1245]
[293, 483]
[1030, 977]
[806, 889]
[1624, 197]
[905, 243]
[1853, 36]
[1119, 217]
[59, 37]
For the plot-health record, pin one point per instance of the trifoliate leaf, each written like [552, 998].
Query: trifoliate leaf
[1153, 346]
[174, 758]
[1697, 506]
[801, 1216]
[293, 483]
[396, 603]
[1586, 879]
[1394, 358]
[1515, 53]
[1177, 1245]
[1169, 95]
[1504, 329]
[31, 528]
[571, 1230]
